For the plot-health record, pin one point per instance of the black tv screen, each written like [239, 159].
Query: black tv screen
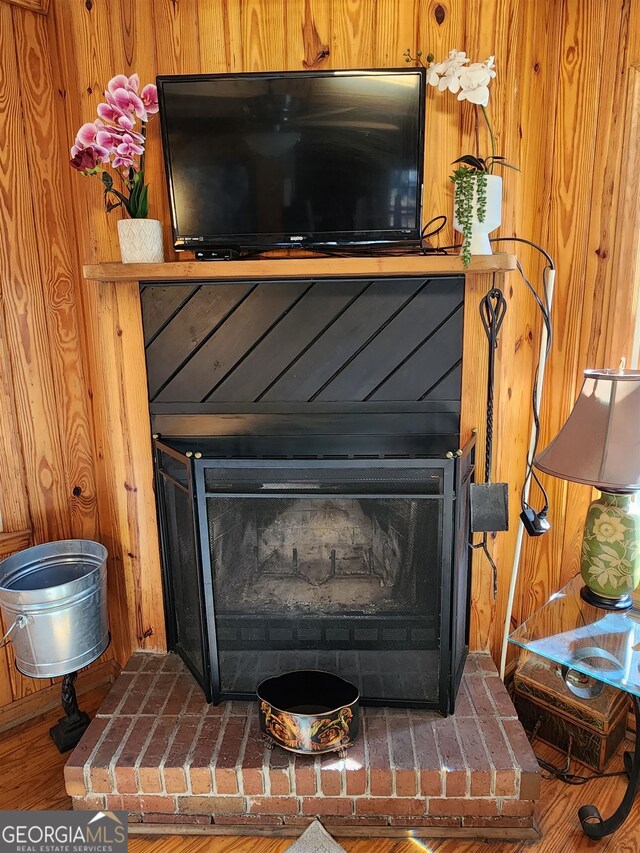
[298, 158]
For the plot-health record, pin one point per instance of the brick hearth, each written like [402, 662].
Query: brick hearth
[157, 750]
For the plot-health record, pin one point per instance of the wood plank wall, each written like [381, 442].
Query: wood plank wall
[47, 458]
[565, 106]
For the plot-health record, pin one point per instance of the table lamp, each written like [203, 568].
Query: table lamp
[599, 445]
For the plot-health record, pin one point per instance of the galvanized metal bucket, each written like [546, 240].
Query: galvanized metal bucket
[54, 603]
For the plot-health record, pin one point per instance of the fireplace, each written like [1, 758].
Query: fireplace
[312, 493]
[354, 565]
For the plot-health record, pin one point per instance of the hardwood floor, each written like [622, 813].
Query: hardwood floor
[32, 779]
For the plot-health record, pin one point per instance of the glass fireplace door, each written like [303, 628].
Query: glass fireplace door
[329, 564]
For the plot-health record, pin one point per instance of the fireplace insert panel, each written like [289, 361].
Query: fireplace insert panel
[350, 566]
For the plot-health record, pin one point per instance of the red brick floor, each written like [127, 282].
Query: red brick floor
[159, 751]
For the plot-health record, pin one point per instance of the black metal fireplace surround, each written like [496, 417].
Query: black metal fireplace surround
[312, 492]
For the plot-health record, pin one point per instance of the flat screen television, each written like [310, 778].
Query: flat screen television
[317, 159]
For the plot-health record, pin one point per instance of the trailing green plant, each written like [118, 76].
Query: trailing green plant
[467, 184]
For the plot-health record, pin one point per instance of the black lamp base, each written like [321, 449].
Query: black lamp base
[69, 729]
[67, 732]
[625, 602]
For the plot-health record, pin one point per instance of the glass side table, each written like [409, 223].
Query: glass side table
[593, 647]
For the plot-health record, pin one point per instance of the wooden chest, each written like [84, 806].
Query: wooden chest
[593, 727]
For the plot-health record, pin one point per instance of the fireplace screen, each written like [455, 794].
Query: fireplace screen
[336, 581]
[334, 564]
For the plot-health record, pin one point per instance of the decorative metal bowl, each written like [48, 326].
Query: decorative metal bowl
[309, 711]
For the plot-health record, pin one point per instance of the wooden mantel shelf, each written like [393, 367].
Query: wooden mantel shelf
[277, 268]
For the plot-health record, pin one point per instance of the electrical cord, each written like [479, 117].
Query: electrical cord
[530, 471]
[545, 310]
[573, 778]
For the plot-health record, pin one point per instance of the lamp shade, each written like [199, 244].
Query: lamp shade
[599, 445]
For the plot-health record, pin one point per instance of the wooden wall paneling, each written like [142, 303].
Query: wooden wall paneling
[83, 65]
[14, 503]
[12, 542]
[177, 36]
[73, 29]
[41, 7]
[59, 271]
[220, 36]
[352, 41]
[26, 324]
[527, 140]
[314, 48]
[135, 53]
[127, 500]
[439, 29]
[113, 329]
[522, 99]
[627, 233]
[598, 282]
[263, 36]
[175, 31]
[625, 294]
[394, 30]
[626, 237]
[610, 136]
[15, 519]
[545, 561]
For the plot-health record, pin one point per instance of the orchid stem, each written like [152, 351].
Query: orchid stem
[144, 148]
[477, 130]
[493, 139]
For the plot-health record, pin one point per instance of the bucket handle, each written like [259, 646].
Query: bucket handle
[21, 621]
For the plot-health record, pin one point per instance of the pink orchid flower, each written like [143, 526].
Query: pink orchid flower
[122, 93]
[121, 81]
[123, 162]
[126, 100]
[126, 151]
[118, 133]
[87, 139]
[112, 140]
[112, 113]
[149, 97]
[88, 132]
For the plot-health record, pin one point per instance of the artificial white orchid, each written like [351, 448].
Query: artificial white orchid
[446, 75]
[470, 82]
[474, 82]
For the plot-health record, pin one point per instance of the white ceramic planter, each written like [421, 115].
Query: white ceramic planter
[480, 244]
[140, 241]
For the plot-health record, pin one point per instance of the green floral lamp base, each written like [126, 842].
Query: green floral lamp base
[611, 551]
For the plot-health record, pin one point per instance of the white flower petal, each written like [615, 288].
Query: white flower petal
[478, 96]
